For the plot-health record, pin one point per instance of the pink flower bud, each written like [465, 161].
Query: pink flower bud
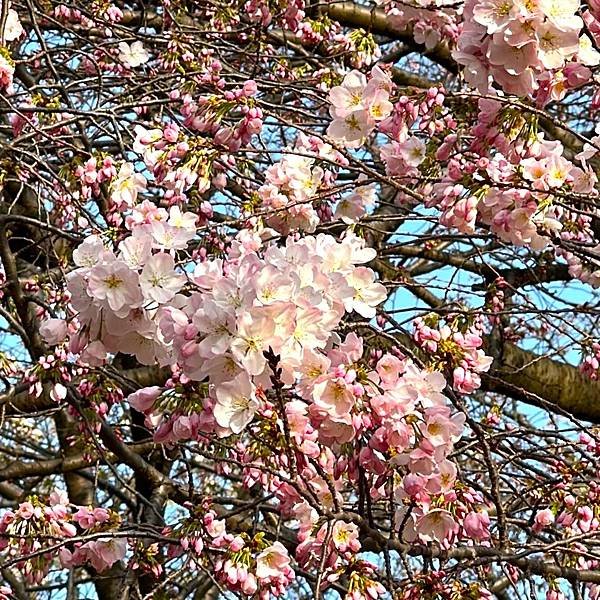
[542, 519]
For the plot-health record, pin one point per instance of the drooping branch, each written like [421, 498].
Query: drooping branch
[18, 400]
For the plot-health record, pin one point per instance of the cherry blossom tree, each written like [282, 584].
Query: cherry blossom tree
[298, 299]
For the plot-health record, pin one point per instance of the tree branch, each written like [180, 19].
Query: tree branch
[376, 21]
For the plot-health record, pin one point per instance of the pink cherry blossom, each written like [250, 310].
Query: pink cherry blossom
[115, 283]
[158, 280]
[236, 403]
[272, 561]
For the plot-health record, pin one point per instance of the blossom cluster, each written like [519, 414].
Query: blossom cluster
[244, 564]
[40, 529]
[525, 47]
[91, 174]
[432, 21]
[409, 430]
[252, 566]
[590, 364]
[208, 113]
[261, 11]
[403, 413]
[293, 184]
[116, 294]
[358, 104]
[7, 70]
[522, 212]
[510, 188]
[287, 300]
[40, 532]
[454, 344]
[177, 163]
[361, 105]
[440, 585]
[13, 30]
[572, 506]
[332, 542]
[399, 408]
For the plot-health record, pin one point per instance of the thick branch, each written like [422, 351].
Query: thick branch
[539, 380]
[377, 21]
[19, 470]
